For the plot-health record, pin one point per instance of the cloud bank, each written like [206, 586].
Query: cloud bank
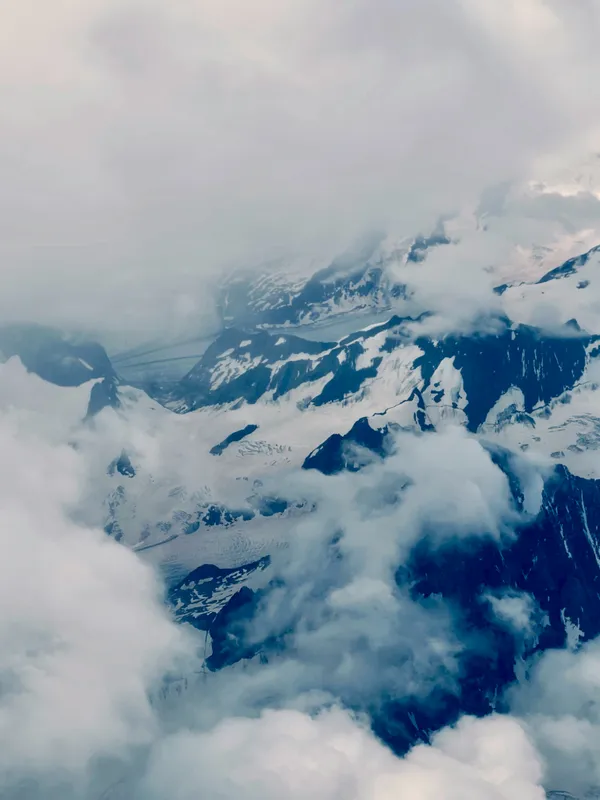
[87, 643]
[564, 724]
[289, 754]
[83, 632]
[146, 146]
[85, 711]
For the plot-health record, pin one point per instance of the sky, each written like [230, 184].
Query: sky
[148, 147]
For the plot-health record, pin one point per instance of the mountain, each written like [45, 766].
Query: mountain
[554, 564]
[254, 392]
[57, 359]
[519, 388]
[205, 473]
[564, 293]
[201, 595]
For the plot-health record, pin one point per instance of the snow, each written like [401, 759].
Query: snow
[371, 350]
[567, 431]
[557, 301]
[445, 398]
[228, 369]
[175, 472]
[513, 398]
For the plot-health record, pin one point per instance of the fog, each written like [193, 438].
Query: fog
[147, 147]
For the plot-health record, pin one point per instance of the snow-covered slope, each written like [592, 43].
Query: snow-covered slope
[169, 475]
[569, 291]
[196, 459]
[351, 285]
[208, 471]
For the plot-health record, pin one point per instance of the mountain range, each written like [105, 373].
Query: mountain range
[323, 377]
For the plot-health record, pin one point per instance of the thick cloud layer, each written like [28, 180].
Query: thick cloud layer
[146, 145]
[334, 622]
[559, 702]
[86, 643]
[289, 754]
[83, 634]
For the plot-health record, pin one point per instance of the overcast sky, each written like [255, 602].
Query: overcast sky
[147, 145]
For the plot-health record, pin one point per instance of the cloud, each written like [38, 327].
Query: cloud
[84, 636]
[519, 612]
[36, 406]
[148, 145]
[335, 608]
[86, 643]
[145, 148]
[287, 753]
[514, 238]
[558, 701]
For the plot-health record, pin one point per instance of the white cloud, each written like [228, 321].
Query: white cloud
[83, 633]
[339, 610]
[147, 144]
[519, 611]
[289, 754]
[38, 406]
[84, 638]
[559, 702]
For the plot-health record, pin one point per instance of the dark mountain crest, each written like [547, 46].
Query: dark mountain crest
[543, 367]
[243, 367]
[122, 465]
[63, 361]
[236, 436]
[422, 244]
[104, 394]
[359, 277]
[339, 452]
[276, 363]
[570, 267]
[55, 357]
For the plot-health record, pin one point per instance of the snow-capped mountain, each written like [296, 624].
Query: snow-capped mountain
[62, 361]
[204, 471]
[356, 283]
